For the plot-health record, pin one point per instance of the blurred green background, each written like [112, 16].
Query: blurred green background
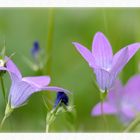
[20, 27]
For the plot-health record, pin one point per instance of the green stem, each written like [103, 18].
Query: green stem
[8, 112]
[2, 122]
[47, 68]
[3, 89]
[104, 117]
[51, 117]
[133, 124]
[49, 40]
[103, 97]
[104, 13]
[49, 54]
[47, 128]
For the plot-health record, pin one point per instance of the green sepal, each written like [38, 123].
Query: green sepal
[103, 95]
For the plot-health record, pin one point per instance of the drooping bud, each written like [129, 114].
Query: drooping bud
[35, 49]
[61, 98]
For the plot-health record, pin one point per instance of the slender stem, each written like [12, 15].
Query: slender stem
[51, 117]
[8, 112]
[2, 122]
[45, 103]
[102, 97]
[49, 54]
[104, 117]
[104, 13]
[47, 128]
[133, 124]
[50, 40]
[47, 68]
[3, 89]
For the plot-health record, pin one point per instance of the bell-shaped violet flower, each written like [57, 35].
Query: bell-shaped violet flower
[23, 87]
[61, 98]
[35, 49]
[122, 101]
[101, 59]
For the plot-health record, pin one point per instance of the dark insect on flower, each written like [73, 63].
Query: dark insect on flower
[61, 98]
[35, 49]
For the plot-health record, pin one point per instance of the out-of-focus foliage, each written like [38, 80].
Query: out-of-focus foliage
[21, 27]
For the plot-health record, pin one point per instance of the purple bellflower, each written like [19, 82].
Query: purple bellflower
[61, 98]
[101, 59]
[122, 101]
[23, 87]
[35, 49]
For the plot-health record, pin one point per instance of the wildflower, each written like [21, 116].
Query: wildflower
[35, 49]
[101, 59]
[23, 87]
[122, 101]
[38, 56]
[61, 98]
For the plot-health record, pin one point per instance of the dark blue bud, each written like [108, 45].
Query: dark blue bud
[61, 98]
[35, 49]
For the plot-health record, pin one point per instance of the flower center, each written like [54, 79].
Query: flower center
[1, 63]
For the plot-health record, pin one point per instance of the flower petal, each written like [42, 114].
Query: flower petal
[57, 89]
[131, 97]
[115, 94]
[127, 111]
[20, 91]
[102, 51]
[123, 56]
[107, 109]
[3, 68]
[38, 81]
[86, 54]
[103, 78]
[12, 67]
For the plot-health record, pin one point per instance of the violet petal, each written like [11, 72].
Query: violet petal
[86, 54]
[56, 89]
[39, 81]
[107, 109]
[123, 56]
[20, 91]
[12, 67]
[102, 51]
[104, 78]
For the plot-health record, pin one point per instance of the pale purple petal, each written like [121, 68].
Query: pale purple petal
[20, 91]
[12, 67]
[132, 49]
[38, 81]
[123, 56]
[3, 68]
[132, 88]
[102, 51]
[86, 54]
[132, 94]
[56, 89]
[107, 109]
[103, 79]
[119, 60]
[115, 94]
[124, 118]
[127, 110]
